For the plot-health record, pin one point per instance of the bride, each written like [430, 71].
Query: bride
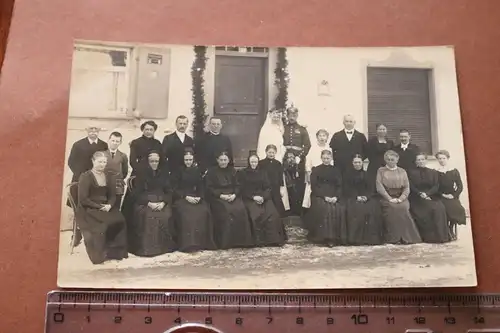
[271, 133]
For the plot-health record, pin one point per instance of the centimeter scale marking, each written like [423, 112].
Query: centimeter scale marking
[158, 312]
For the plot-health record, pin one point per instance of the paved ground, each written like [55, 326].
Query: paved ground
[296, 265]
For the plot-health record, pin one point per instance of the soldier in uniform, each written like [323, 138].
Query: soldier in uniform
[296, 140]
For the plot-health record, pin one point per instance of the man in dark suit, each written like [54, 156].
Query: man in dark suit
[209, 145]
[117, 165]
[407, 151]
[297, 142]
[80, 160]
[174, 145]
[347, 143]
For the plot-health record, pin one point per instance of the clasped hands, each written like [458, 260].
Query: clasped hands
[362, 198]
[157, 206]
[424, 195]
[105, 208]
[331, 199]
[193, 200]
[447, 196]
[228, 197]
[258, 199]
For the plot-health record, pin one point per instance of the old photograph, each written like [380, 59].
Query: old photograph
[251, 167]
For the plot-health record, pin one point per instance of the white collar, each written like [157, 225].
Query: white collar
[346, 130]
[444, 169]
[113, 151]
[405, 145]
[392, 169]
[180, 134]
[92, 141]
[214, 133]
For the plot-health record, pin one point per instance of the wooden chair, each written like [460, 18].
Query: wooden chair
[130, 187]
[76, 236]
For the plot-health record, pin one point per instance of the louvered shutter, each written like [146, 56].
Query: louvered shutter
[399, 98]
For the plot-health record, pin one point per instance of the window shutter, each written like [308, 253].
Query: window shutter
[399, 98]
[153, 82]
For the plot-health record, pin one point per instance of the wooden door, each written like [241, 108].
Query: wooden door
[240, 97]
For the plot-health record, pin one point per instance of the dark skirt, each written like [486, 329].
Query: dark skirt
[194, 226]
[104, 234]
[455, 212]
[430, 218]
[278, 201]
[151, 233]
[267, 225]
[364, 222]
[232, 227]
[326, 222]
[399, 226]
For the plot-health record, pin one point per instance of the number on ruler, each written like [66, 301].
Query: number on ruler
[479, 320]
[359, 319]
[450, 320]
[390, 320]
[178, 320]
[269, 320]
[148, 320]
[239, 321]
[88, 319]
[118, 320]
[329, 321]
[58, 317]
[299, 321]
[419, 320]
[208, 321]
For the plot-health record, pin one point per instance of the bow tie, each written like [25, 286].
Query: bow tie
[349, 132]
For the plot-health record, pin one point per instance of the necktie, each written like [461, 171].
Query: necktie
[93, 143]
[112, 155]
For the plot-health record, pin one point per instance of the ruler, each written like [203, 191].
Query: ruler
[165, 312]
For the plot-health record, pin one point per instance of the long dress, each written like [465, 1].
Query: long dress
[429, 215]
[399, 226]
[194, 226]
[272, 134]
[151, 233]
[267, 225]
[364, 219]
[104, 233]
[450, 182]
[326, 221]
[313, 159]
[375, 151]
[232, 227]
[274, 171]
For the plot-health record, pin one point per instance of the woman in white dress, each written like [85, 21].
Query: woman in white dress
[271, 133]
[313, 159]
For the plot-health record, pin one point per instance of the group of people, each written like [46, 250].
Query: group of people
[185, 194]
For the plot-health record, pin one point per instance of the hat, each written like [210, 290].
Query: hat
[93, 124]
[292, 109]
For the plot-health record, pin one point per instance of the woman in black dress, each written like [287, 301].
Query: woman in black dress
[139, 151]
[151, 232]
[375, 150]
[192, 214]
[450, 188]
[103, 227]
[256, 193]
[326, 216]
[274, 170]
[232, 227]
[429, 213]
[363, 213]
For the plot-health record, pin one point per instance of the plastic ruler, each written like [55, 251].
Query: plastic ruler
[165, 312]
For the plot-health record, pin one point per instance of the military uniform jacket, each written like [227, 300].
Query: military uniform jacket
[296, 138]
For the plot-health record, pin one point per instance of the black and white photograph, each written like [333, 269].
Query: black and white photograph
[251, 167]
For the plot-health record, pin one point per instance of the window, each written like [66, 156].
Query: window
[399, 98]
[99, 81]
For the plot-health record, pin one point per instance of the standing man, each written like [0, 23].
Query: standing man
[174, 145]
[346, 144]
[407, 151]
[80, 160]
[117, 166]
[211, 144]
[296, 140]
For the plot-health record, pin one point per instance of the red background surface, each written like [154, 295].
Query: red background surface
[34, 97]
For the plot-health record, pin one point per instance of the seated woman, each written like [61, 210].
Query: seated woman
[326, 217]
[275, 173]
[151, 231]
[393, 186]
[428, 212]
[363, 214]
[450, 188]
[232, 227]
[192, 215]
[103, 228]
[256, 193]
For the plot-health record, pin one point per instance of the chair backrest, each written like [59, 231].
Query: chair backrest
[71, 200]
[130, 182]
